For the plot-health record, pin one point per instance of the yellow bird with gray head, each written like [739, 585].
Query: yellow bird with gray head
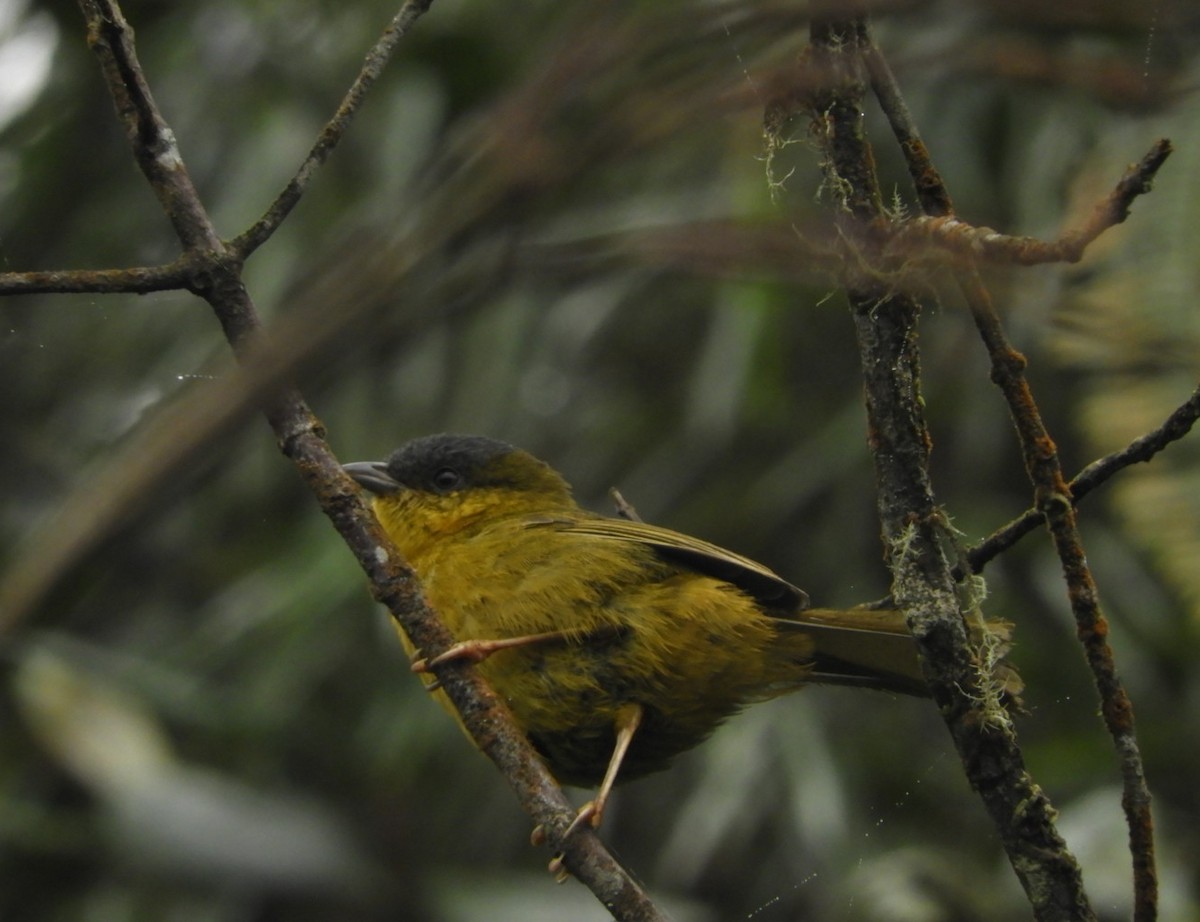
[616, 644]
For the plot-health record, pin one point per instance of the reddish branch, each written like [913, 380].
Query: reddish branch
[932, 193]
[1052, 499]
[946, 232]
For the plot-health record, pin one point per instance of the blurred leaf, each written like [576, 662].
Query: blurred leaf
[168, 817]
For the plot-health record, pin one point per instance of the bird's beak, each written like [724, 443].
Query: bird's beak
[373, 476]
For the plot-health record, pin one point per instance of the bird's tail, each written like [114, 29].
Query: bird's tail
[870, 648]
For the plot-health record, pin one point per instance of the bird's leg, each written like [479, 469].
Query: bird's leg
[629, 718]
[476, 651]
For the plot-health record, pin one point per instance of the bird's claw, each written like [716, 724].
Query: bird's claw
[589, 813]
[474, 651]
[558, 868]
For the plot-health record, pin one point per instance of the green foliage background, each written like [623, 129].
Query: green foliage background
[210, 720]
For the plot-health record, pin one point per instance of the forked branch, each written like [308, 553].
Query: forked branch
[301, 436]
[842, 53]
[1054, 498]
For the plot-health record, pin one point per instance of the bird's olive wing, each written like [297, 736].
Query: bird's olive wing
[765, 586]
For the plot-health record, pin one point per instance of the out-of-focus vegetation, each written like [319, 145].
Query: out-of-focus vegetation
[209, 719]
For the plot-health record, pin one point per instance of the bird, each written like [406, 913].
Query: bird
[616, 644]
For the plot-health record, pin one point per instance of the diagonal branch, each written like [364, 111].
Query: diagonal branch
[301, 438]
[377, 58]
[1053, 500]
[931, 189]
[151, 140]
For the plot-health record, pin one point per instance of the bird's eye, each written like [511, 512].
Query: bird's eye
[446, 480]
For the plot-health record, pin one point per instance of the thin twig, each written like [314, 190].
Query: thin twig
[153, 144]
[624, 508]
[931, 189]
[301, 438]
[262, 229]
[1143, 448]
[140, 280]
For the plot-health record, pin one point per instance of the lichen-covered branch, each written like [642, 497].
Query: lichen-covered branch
[913, 524]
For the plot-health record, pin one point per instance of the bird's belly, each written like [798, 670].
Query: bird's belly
[688, 649]
[568, 698]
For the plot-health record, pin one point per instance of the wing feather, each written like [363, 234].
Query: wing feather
[762, 584]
